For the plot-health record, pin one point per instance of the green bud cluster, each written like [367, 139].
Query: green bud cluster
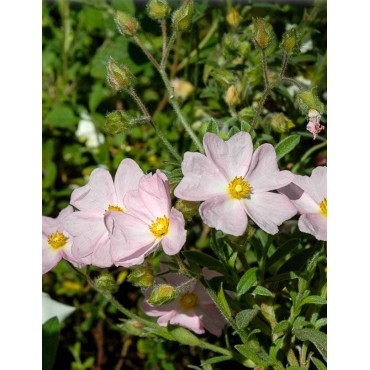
[141, 277]
[106, 282]
[182, 17]
[162, 294]
[118, 76]
[117, 122]
[127, 25]
[223, 77]
[158, 9]
[291, 42]
[263, 33]
[307, 100]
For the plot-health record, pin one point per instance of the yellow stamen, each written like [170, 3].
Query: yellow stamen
[57, 240]
[159, 227]
[115, 208]
[238, 188]
[188, 301]
[323, 207]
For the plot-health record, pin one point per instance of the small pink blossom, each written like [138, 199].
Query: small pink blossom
[149, 220]
[96, 201]
[309, 195]
[56, 241]
[235, 183]
[314, 125]
[192, 309]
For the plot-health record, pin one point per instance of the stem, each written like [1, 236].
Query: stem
[259, 109]
[292, 81]
[307, 154]
[167, 144]
[177, 109]
[265, 69]
[164, 34]
[146, 52]
[169, 47]
[285, 63]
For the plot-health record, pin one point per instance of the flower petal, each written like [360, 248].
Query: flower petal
[225, 214]
[264, 174]
[315, 224]
[127, 178]
[212, 319]
[233, 156]
[97, 194]
[189, 320]
[101, 257]
[50, 259]
[202, 179]
[176, 236]
[269, 210]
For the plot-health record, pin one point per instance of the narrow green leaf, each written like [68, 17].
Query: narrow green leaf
[281, 327]
[204, 260]
[243, 318]
[260, 290]
[260, 358]
[281, 277]
[246, 281]
[215, 360]
[282, 251]
[286, 145]
[318, 338]
[319, 365]
[313, 299]
[50, 338]
[223, 301]
[321, 322]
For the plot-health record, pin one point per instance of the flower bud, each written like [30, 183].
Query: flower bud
[247, 114]
[132, 327]
[141, 277]
[184, 336]
[291, 42]
[223, 77]
[117, 122]
[158, 9]
[233, 18]
[106, 282]
[127, 25]
[230, 42]
[119, 77]
[182, 17]
[263, 33]
[188, 209]
[280, 123]
[232, 96]
[308, 100]
[162, 294]
[245, 49]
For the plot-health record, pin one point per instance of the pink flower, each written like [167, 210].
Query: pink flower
[233, 183]
[149, 220]
[193, 309]
[96, 201]
[56, 241]
[313, 124]
[309, 195]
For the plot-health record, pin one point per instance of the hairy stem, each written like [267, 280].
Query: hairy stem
[259, 109]
[168, 49]
[265, 68]
[146, 52]
[293, 82]
[285, 64]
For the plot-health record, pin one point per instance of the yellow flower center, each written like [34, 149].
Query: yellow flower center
[238, 188]
[188, 301]
[159, 227]
[57, 240]
[115, 208]
[323, 207]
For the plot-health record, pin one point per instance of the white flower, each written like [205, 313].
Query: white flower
[86, 132]
[51, 308]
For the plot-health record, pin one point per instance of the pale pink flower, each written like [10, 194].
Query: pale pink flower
[192, 309]
[56, 241]
[96, 201]
[235, 184]
[313, 124]
[309, 195]
[149, 220]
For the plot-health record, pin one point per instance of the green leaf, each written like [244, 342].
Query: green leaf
[50, 338]
[223, 301]
[234, 130]
[319, 365]
[217, 359]
[260, 358]
[243, 318]
[313, 299]
[127, 6]
[321, 322]
[246, 281]
[260, 290]
[282, 251]
[204, 260]
[286, 145]
[62, 117]
[95, 97]
[281, 327]
[318, 338]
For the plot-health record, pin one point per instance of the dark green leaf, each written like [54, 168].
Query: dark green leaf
[204, 260]
[282, 327]
[260, 290]
[243, 318]
[63, 117]
[319, 365]
[282, 251]
[318, 338]
[313, 299]
[50, 338]
[247, 280]
[286, 145]
[223, 301]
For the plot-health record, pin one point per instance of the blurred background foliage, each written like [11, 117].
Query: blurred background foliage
[78, 38]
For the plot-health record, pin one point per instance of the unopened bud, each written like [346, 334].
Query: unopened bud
[308, 100]
[188, 209]
[223, 77]
[141, 277]
[291, 42]
[132, 327]
[233, 18]
[313, 124]
[247, 114]
[230, 42]
[118, 76]
[162, 294]
[245, 49]
[184, 336]
[182, 17]
[263, 33]
[158, 9]
[280, 123]
[106, 282]
[232, 96]
[127, 25]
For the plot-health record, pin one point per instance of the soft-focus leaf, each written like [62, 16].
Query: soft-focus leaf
[50, 338]
[287, 145]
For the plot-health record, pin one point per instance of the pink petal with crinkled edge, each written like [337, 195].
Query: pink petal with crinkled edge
[314, 224]
[127, 178]
[269, 210]
[264, 174]
[97, 194]
[202, 179]
[232, 157]
[225, 214]
[176, 236]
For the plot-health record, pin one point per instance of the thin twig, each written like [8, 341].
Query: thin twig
[285, 64]
[147, 52]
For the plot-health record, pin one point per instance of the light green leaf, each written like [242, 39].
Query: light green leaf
[243, 318]
[246, 281]
[217, 359]
[260, 290]
[281, 327]
[313, 299]
[319, 365]
[223, 301]
[318, 338]
[286, 145]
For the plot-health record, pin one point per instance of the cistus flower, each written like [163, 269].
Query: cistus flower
[56, 241]
[149, 221]
[193, 308]
[235, 184]
[313, 124]
[309, 195]
[96, 201]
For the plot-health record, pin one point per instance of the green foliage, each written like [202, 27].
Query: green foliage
[50, 338]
